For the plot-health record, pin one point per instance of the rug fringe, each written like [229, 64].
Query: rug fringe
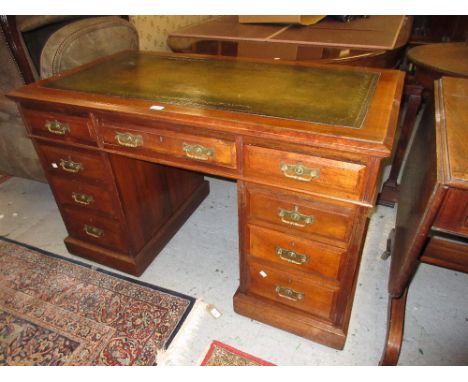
[178, 352]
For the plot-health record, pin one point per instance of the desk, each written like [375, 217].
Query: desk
[373, 41]
[125, 142]
[432, 215]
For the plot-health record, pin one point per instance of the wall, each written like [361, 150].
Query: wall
[153, 30]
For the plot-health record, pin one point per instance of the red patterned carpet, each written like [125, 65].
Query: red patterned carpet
[221, 354]
[56, 312]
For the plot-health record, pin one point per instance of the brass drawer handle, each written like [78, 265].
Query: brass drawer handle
[289, 293]
[56, 127]
[299, 172]
[197, 151]
[82, 198]
[291, 256]
[294, 217]
[129, 140]
[93, 231]
[70, 166]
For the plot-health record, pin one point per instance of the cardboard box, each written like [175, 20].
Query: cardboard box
[294, 19]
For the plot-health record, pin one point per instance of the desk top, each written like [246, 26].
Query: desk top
[373, 33]
[452, 130]
[295, 102]
[319, 95]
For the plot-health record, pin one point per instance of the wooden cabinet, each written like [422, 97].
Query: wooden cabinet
[125, 143]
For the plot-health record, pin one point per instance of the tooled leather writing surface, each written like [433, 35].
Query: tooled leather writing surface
[319, 95]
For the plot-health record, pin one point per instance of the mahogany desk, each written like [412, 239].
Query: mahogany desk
[432, 215]
[125, 141]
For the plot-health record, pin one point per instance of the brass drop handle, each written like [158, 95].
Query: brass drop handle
[82, 198]
[294, 217]
[288, 293]
[70, 166]
[291, 256]
[198, 152]
[299, 172]
[93, 231]
[56, 127]
[129, 139]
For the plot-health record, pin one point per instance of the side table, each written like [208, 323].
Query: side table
[432, 62]
[432, 216]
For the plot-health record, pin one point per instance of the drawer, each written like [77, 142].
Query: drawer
[302, 293]
[453, 215]
[323, 220]
[74, 163]
[305, 172]
[192, 148]
[293, 252]
[74, 128]
[85, 196]
[95, 229]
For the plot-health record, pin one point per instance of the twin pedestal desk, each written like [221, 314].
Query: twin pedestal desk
[125, 142]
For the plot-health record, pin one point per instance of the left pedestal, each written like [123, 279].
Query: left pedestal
[118, 211]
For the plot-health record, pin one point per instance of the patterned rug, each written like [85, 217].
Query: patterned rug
[221, 354]
[57, 312]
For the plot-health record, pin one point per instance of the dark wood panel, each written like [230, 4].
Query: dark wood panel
[145, 196]
[419, 191]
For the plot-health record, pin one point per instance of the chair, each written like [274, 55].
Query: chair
[35, 47]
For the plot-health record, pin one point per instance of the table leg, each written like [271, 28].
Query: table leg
[389, 194]
[395, 326]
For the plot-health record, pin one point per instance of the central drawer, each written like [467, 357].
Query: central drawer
[186, 147]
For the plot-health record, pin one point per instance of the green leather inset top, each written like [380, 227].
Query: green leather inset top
[319, 95]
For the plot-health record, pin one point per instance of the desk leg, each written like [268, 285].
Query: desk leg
[389, 194]
[395, 326]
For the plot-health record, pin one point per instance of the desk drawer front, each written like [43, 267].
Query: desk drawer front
[302, 293]
[95, 229]
[453, 215]
[65, 127]
[198, 149]
[293, 252]
[324, 221]
[305, 172]
[74, 163]
[85, 196]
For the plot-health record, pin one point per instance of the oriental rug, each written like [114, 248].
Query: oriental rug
[220, 354]
[55, 311]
